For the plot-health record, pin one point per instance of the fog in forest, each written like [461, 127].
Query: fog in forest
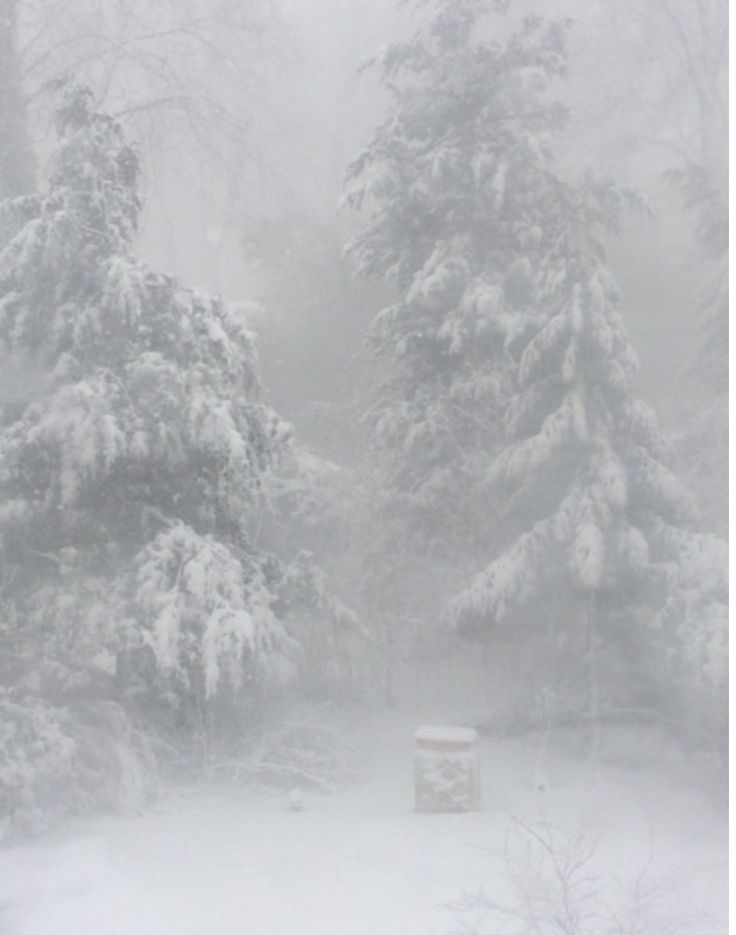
[363, 467]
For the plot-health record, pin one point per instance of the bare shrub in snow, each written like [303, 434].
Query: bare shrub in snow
[308, 748]
[551, 883]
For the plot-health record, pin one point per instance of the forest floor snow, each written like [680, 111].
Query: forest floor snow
[219, 860]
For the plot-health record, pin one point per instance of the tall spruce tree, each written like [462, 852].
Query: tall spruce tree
[508, 320]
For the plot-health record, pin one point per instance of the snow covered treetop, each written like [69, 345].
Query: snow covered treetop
[65, 242]
[97, 168]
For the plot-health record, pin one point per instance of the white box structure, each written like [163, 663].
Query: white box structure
[447, 770]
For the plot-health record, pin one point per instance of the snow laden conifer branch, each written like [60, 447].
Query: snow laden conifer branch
[205, 611]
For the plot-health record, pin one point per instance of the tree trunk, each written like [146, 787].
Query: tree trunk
[595, 701]
[389, 663]
[16, 155]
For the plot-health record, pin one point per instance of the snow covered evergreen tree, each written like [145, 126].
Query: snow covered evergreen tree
[508, 320]
[132, 470]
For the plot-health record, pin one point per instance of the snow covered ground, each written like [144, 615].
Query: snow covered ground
[220, 860]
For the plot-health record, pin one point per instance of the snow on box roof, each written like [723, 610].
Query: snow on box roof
[443, 734]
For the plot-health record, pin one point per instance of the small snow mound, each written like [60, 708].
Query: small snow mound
[296, 800]
[539, 779]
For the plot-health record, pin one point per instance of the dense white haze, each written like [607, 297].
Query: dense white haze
[363, 366]
[313, 110]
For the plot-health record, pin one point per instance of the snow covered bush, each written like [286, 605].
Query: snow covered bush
[36, 756]
[57, 760]
[114, 762]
